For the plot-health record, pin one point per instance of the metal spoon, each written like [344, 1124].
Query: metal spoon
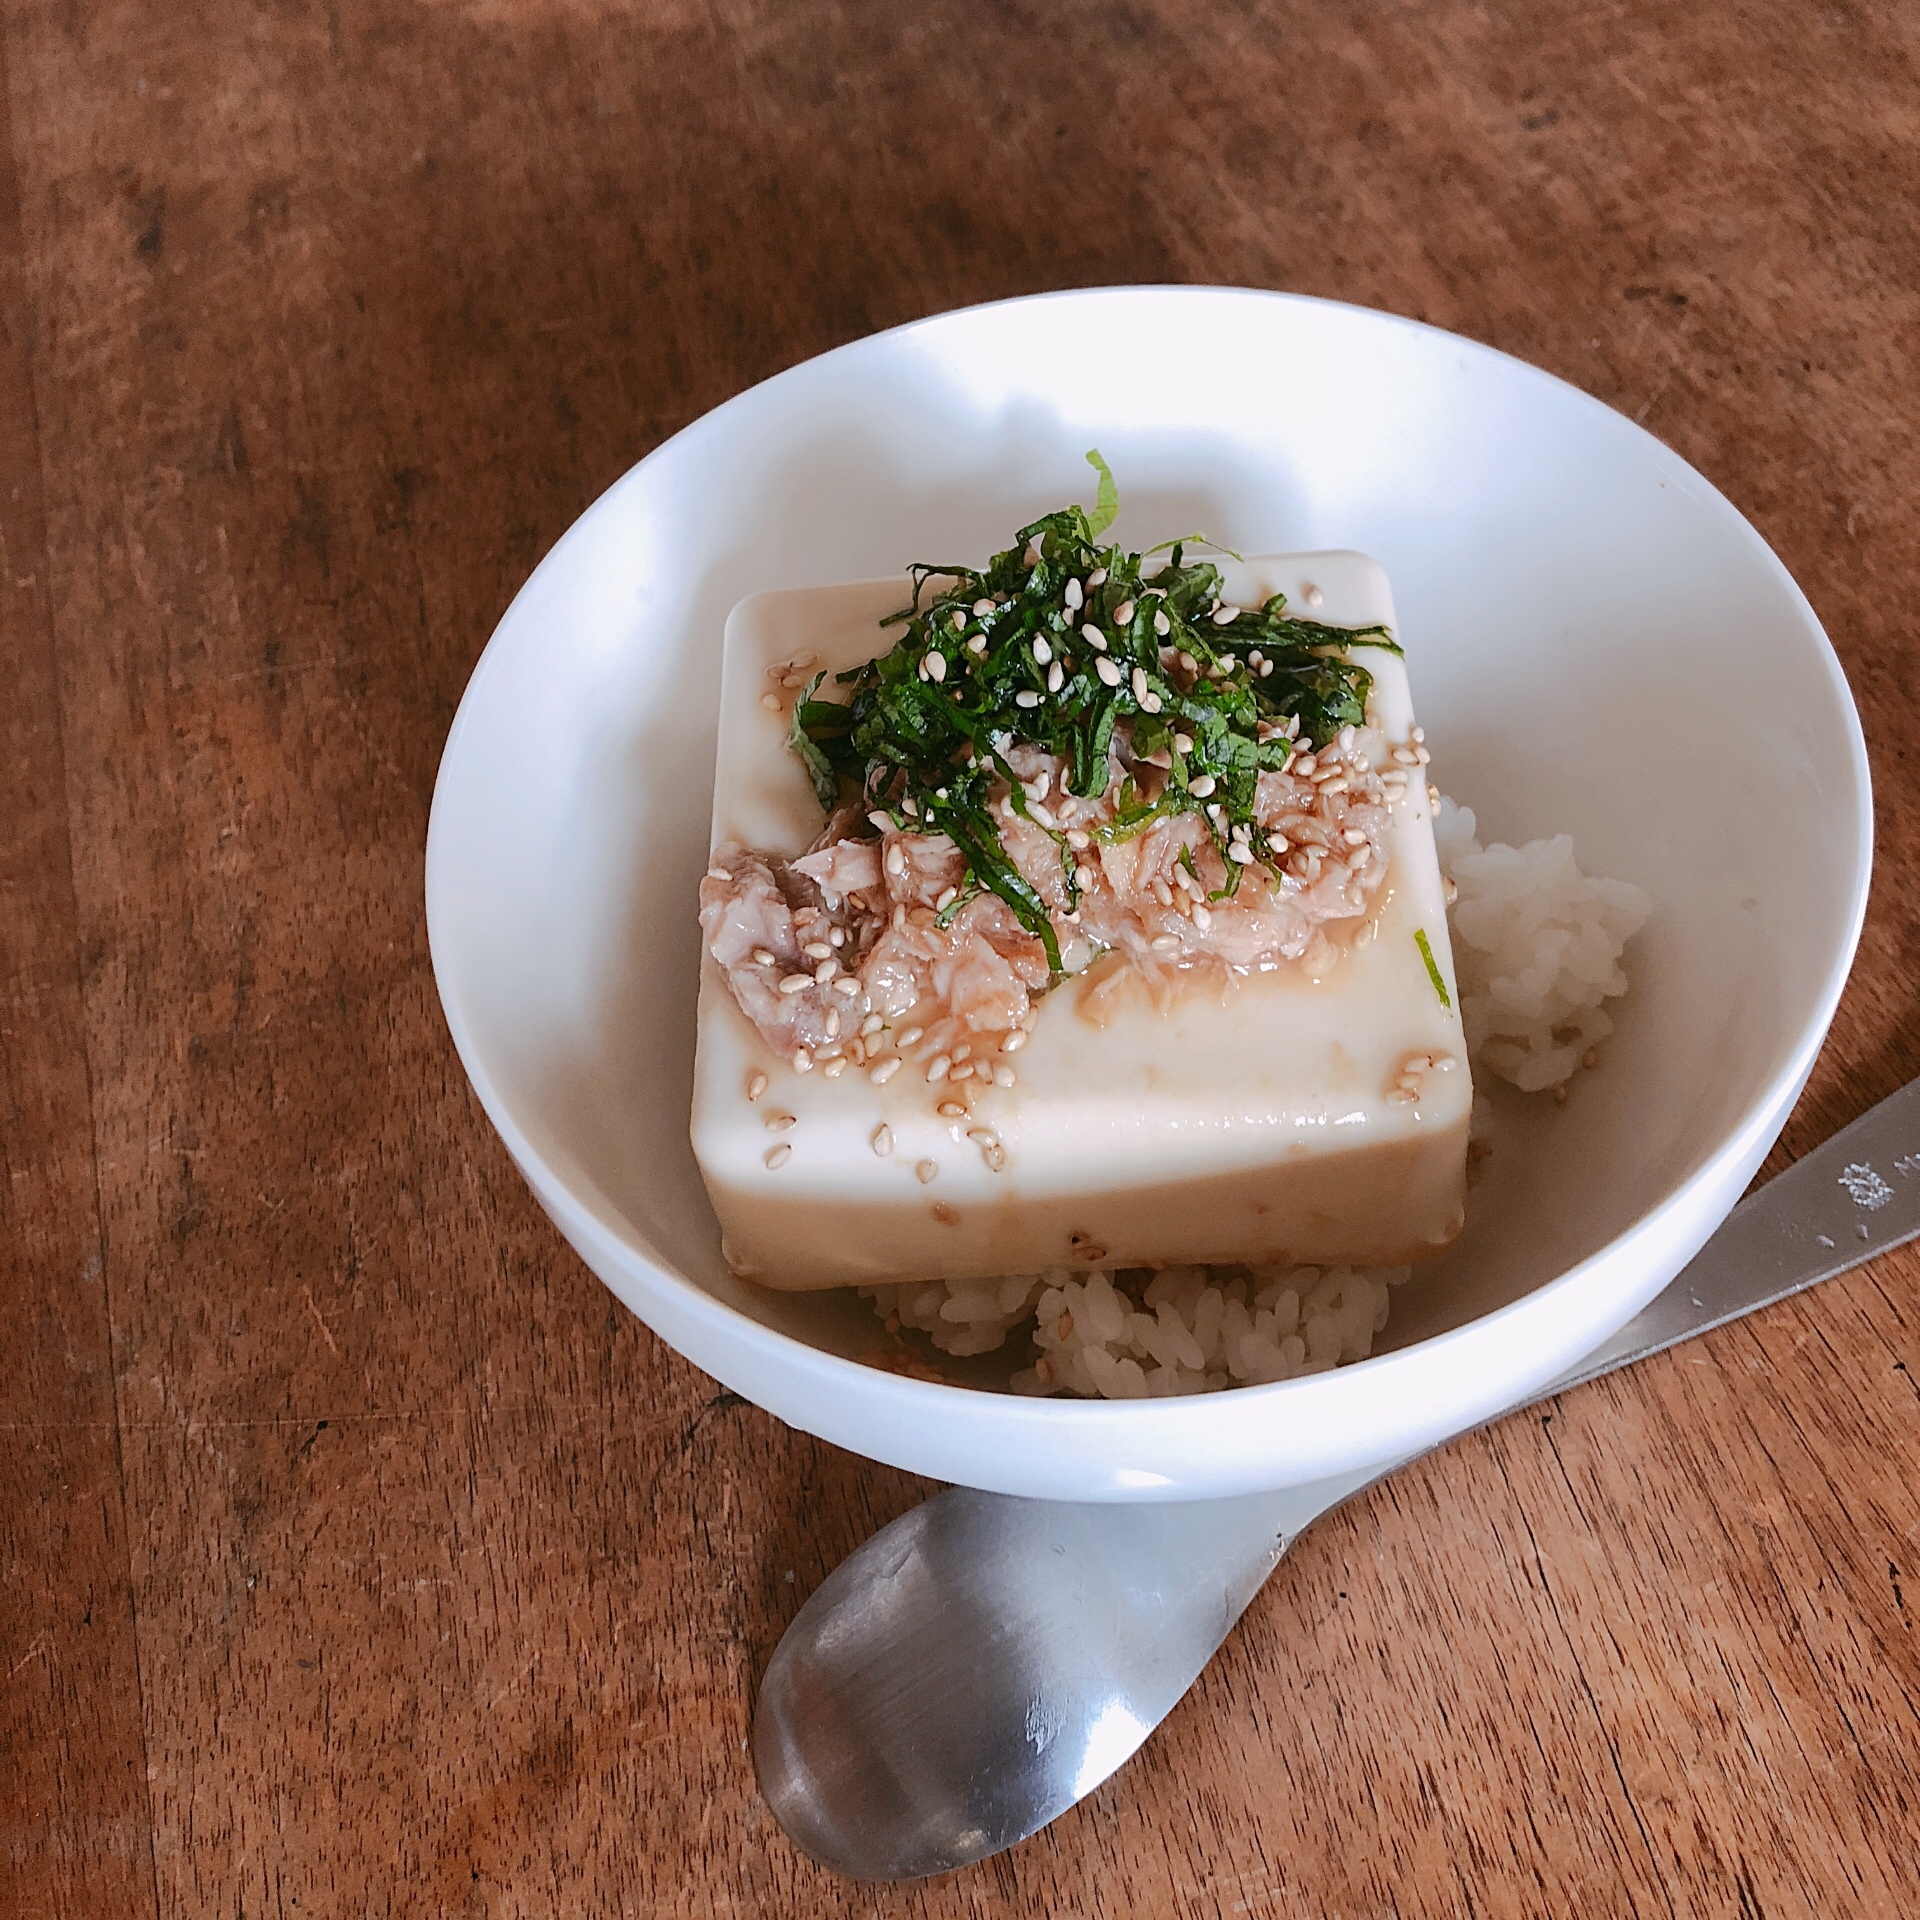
[984, 1662]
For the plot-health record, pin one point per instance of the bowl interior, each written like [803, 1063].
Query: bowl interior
[1598, 645]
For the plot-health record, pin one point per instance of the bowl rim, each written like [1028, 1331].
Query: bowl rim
[1025, 1418]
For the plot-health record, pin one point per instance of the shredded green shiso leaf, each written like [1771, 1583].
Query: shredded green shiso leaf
[923, 735]
[1421, 941]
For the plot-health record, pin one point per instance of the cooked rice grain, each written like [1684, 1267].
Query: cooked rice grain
[1186, 1330]
[1536, 948]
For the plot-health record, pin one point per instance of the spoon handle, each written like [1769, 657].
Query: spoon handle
[1850, 1199]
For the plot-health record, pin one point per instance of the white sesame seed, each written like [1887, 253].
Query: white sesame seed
[928, 1171]
[1353, 837]
[896, 861]
[978, 644]
[1077, 840]
[1358, 858]
[1140, 685]
[1042, 653]
[1042, 816]
[964, 1071]
[1266, 669]
[1165, 942]
[911, 1037]
[1314, 597]
[947, 897]
[911, 808]
[816, 949]
[1201, 787]
[833, 1023]
[1055, 677]
[1108, 671]
[981, 608]
[882, 1141]
[1161, 624]
[1444, 1063]
[1162, 892]
[771, 701]
[952, 1109]
[939, 1067]
[1202, 916]
[1072, 595]
[983, 1136]
[1123, 613]
[1401, 1096]
[796, 983]
[1182, 743]
[1003, 1076]
[1240, 854]
[1405, 757]
[1151, 702]
[1433, 796]
[1014, 1041]
[934, 666]
[780, 1122]
[1026, 700]
[756, 1085]
[1094, 638]
[1098, 577]
[963, 1050]
[1229, 663]
[885, 1071]
[778, 1156]
[825, 972]
[763, 957]
[1337, 784]
[1225, 616]
[870, 1026]
[1418, 735]
[1303, 766]
[802, 1060]
[1422, 755]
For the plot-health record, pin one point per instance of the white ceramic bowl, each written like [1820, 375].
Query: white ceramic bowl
[1598, 644]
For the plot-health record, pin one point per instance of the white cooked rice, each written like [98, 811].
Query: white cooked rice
[1536, 950]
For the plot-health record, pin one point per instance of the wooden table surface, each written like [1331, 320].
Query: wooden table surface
[358, 1554]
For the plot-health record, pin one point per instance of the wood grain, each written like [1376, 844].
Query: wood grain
[360, 1556]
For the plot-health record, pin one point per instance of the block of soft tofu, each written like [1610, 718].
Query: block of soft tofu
[1258, 1124]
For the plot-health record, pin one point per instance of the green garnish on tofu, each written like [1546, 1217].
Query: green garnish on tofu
[1433, 966]
[1060, 643]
